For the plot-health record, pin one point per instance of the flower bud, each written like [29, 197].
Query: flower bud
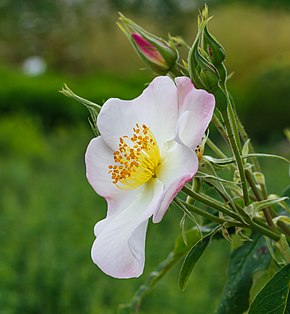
[202, 73]
[213, 48]
[157, 53]
[202, 69]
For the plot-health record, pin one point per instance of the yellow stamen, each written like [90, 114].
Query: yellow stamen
[136, 160]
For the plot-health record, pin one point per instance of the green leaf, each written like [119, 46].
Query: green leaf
[247, 259]
[93, 108]
[260, 278]
[274, 297]
[190, 260]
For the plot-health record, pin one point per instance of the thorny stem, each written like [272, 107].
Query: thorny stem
[211, 203]
[237, 155]
[229, 135]
[266, 211]
[207, 215]
[256, 192]
[217, 205]
[198, 211]
[245, 137]
[220, 127]
[224, 197]
[215, 149]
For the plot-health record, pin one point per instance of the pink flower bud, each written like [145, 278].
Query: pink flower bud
[149, 51]
[158, 54]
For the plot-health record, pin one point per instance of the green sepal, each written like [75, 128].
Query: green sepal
[213, 48]
[93, 108]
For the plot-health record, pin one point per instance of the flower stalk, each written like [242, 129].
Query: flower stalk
[245, 220]
[206, 200]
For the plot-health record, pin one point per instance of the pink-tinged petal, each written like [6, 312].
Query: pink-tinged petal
[195, 115]
[148, 50]
[184, 86]
[156, 107]
[119, 249]
[179, 166]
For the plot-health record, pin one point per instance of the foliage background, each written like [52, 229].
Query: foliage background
[47, 208]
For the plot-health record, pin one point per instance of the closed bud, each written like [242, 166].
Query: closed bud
[202, 73]
[157, 53]
[213, 48]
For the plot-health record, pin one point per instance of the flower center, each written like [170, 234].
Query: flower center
[136, 159]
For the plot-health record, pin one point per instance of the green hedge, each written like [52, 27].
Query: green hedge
[40, 95]
[265, 102]
[263, 99]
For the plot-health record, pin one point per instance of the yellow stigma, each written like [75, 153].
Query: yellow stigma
[136, 159]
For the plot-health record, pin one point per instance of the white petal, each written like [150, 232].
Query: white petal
[177, 169]
[156, 107]
[98, 157]
[119, 249]
[196, 108]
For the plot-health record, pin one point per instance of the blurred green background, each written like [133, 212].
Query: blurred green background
[47, 208]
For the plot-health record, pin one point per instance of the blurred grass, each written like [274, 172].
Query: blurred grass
[47, 214]
[257, 49]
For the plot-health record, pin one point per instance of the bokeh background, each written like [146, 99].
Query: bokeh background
[47, 208]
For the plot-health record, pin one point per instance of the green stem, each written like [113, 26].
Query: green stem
[215, 149]
[238, 158]
[211, 203]
[225, 197]
[232, 130]
[253, 224]
[198, 211]
[258, 196]
[245, 137]
[196, 184]
[257, 167]
[220, 128]
[284, 228]
[175, 70]
[270, 234]
[211, 217]
[185, 210]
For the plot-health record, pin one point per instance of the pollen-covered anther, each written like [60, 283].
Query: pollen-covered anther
[136, 159]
